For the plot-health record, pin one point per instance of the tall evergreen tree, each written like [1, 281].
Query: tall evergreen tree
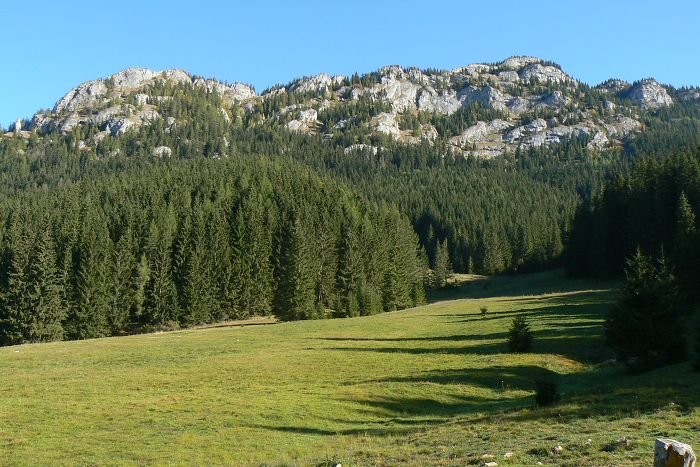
[646, 328]
[294, 299]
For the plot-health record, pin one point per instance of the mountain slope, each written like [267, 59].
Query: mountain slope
[484, 110]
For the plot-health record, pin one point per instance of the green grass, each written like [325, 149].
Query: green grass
[429, 386]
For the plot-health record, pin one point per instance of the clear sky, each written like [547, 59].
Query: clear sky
[51, 46]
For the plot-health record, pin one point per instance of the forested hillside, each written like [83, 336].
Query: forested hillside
[189, 243]
[162, 199]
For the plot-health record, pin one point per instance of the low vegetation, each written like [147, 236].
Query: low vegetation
[433, 385]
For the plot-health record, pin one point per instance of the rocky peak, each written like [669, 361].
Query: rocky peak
[319, 83]
[96, 92]
[517, 62]
[613, 86]
[648, 94]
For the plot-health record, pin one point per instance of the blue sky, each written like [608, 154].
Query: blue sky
[51, 46]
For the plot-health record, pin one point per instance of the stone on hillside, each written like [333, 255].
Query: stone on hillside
[481, 131]
[509, 76]
[360, 148]
[141, 99]
[132, 78]
[613, 86]
[671, 453]
[544, 73]
[518, 62]
[445, 103]
[487, 96]
[120, 126]
[648, 94]
[85, 94]
[386, 123]
[555, 99]
[400, 93]
[508, 455]
[162, 151]
[318, 84]
[308, 115]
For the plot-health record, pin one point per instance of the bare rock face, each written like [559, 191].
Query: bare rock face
[305, 121]
[648, 94]
[544, 73]
[518, 62]
[488, 96]
[445, 103]
[400, 93]
[387, 124]
[613, 86]
[481, 131]
[319, 83]
[361, 148]
[162, 151]
[671, 453]
[85, 94]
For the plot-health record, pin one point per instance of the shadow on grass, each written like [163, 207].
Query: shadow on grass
[514, 285]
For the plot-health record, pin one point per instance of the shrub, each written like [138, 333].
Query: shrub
[546, 392]
[520, 335]
[483, 310]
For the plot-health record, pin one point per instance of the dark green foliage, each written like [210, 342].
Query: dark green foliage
[646, 329]
[294, 298]
[442, 269]
[697, 348]
[193, 242]
[483, 311]
[519, 335]
[546, 392]
[652, 208]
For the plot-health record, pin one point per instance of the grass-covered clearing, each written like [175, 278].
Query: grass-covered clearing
[428, 386]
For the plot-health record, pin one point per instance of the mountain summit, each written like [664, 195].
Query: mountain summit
[483, 110]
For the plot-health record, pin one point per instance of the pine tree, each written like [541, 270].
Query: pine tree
[649, 302]
[519, 335]
[123, 292]
[294, 299]
[160, 305]
[442, 269]
[88, 317]
[685, 247]
[17, 306]
[49, 309]
[346, 273]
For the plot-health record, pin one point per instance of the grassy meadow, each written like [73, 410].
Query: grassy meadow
[433, 385]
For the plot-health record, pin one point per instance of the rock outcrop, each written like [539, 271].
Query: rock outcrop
[520, 102]
[648, 94]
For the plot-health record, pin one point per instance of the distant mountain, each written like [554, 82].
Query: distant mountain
[483, 110]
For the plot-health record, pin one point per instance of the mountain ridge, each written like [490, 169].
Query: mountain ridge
[520, 102]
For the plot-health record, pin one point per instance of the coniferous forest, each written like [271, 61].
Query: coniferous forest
[246, 218]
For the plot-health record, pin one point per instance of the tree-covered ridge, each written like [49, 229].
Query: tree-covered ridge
[195, 242]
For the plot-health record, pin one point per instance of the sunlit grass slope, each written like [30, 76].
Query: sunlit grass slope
[429, 386]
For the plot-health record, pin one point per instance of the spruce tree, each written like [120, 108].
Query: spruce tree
[646, 327]
[442, 269]
[294, 299]
[49, 309]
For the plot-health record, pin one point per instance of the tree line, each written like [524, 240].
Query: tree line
[190, 243]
